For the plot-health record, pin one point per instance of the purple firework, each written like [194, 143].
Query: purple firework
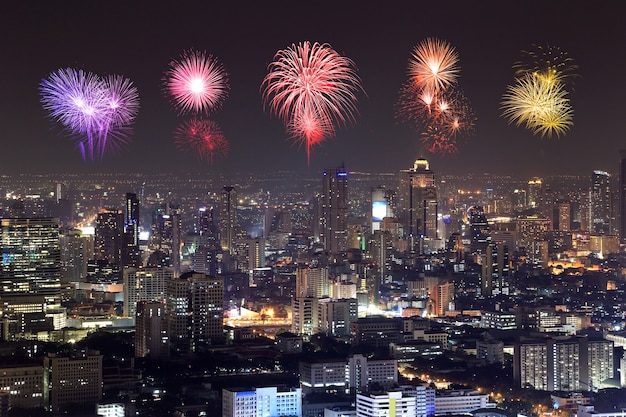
[90, 108]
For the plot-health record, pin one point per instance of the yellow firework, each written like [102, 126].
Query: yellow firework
[538, 103]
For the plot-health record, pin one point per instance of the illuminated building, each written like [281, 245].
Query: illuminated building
[24, 383]
[577, 363]
[376, 331]
[31, 258]
[495, 270]
[323, 375]
[361, 372]
[565, 218]
[108, 236]
[144, 284]
[267, 401]
[333, 210]
[459, 402]
[167, 237]
[336, 316]
[424, 399]
[535, 193]
[131, 255]
[388, 404]
[76, 250]
[74, 379]
[417, 203]
[478, 232]
[600, 202]
[305, 313]
[380, 249]
[228, 217]
[151, 330]
[381, 206]
[499, 320]
[195, 311]
[622, 196]
[312, 281]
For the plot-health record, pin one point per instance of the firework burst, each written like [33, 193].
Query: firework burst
[434, 65]
[431, 101]
[548, 62]
[197, 83]
[203, 138]
[312, 89]
[91, 109]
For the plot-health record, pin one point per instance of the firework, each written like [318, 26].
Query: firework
[538, 104]
[203, 138]
[91, 109]
[434, 65]
[548, 62]
[197, 83]
[312, 89]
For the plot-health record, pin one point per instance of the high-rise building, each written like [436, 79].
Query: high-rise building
[495, 270]
[534, 196]
[144, 284]
[622, 198]
[565, 217]
[76, 251]
[417, 203]
[109, 236]
[74, 379]
[267, 401]
[195, 309]
[305, 311]
[333, 207]
[24, 383]
[31, 258]
[312, 281]
[131, 255]
[151, 337]
[361, 372]
[601, 201]
[336, 316]
[382, 200]
[228, 217]
[478, 232]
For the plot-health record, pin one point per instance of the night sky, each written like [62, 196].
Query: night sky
[139, 39]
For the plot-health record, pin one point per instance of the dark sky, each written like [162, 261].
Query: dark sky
[138, 40]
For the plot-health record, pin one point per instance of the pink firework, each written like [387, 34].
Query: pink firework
[437, 140]
[197, 83]
[311, 88]
[203, 138]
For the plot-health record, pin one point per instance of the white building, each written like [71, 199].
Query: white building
[261, 402]
[588, 411]
[323, 375]
[424, 399]
[389, 404]
[144, 284]
[460, 401]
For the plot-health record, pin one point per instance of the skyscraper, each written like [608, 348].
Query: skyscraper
[418, 201]
[333, 208]
[228, 217]
[600, 202]
[130, 253]
[108, 237]
[31, 258]
[151, 330]
[622, 199]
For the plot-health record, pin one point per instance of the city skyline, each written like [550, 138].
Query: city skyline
[139, 40]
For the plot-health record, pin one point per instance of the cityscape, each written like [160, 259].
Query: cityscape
[314, 210]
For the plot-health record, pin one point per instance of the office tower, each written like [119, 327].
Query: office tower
[460, 402]
[305, 316]
[417, 203]
[76, 251]
[74, 379]
[167, 237]
[534, 196]
[478, 232]
[108, 236]
[361, 372]
[312, 281]
[495, 270]
[24, 384]
[151, 337]
[31, 258]
[267, 401]
[622, 196]
[195, 311]
[565, 217]
[444, 295]
[381, 206]
[131, 255]
[333, 210]
[600, 202]
[144, 284]
[228, 223]
[380, 252]
[205, 258]
[320, 375]
[387, 404]
[336, 316]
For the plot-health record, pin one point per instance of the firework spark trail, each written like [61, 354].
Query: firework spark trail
[311, 88]
[434, 65]
[196, 83]
[203, 138]
[90, 109]
[548, 62]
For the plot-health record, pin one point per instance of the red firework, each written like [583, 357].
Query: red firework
[311, 88]
[196, 83]
[203, 138]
